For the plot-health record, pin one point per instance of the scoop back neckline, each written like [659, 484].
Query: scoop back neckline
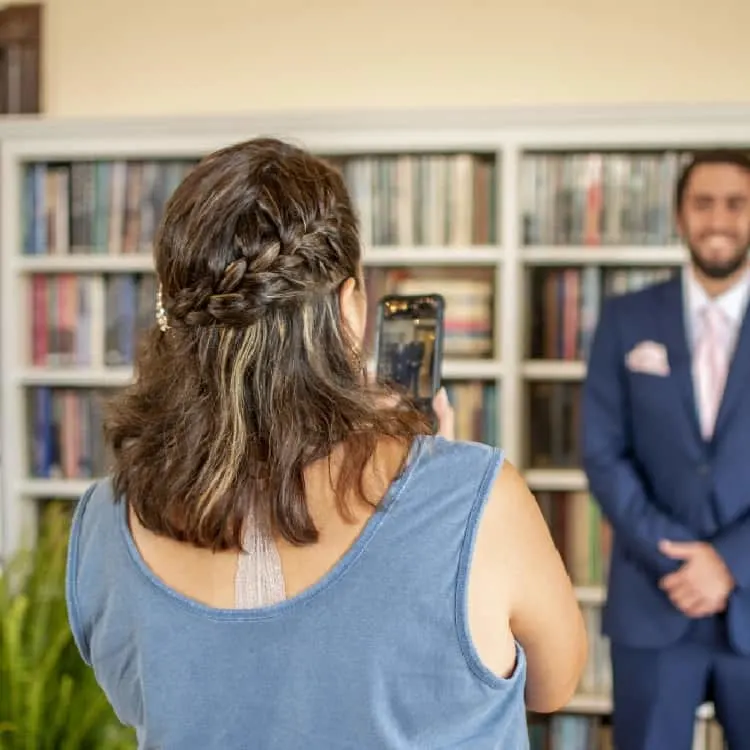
[328, 579]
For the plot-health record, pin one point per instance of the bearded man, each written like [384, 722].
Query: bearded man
[666, 436]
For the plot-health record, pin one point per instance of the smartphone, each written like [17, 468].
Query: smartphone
[409, 345]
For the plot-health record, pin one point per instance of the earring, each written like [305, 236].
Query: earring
[161, 313]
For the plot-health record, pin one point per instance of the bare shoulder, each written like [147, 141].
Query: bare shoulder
[513, 516]
[514, 527]
[533, 590]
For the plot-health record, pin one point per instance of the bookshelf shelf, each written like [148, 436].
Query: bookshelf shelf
[83, 263]
[590, 704]
[570, 480]
[472, 369]
[591, 594]
[563, 255]
[432, 256]
[115, 377]
[602, 704]
[563, 213]
[102, 377]
[143, 263]
[62, 489]
[554, 370]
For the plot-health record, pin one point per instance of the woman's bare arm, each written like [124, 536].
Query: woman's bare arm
[544, 613]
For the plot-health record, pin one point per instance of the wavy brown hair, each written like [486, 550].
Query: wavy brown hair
[257, 375]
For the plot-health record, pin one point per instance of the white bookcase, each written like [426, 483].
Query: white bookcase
[509, 135]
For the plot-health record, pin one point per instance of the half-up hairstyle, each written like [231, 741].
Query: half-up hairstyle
[250, 373]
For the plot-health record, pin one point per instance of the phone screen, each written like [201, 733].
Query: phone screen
[409, 348]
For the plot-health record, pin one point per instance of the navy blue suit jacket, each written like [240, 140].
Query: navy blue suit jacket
[654, 475]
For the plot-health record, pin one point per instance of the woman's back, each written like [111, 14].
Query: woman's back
[412, 566]
[376, 654]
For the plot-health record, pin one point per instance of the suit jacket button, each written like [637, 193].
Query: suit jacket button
[704, 469]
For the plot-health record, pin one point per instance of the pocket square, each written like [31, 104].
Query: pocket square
[648, 357]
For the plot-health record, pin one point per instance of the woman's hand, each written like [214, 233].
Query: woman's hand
[445, 415]
[443, 411]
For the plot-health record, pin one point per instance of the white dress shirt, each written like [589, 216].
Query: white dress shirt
[733, 303]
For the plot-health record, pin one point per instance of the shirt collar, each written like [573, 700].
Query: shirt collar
[732, 302]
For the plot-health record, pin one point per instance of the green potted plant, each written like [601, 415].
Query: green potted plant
[49, 699]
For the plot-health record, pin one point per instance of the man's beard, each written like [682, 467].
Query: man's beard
[723, 269]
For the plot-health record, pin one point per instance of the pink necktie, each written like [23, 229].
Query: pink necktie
[710, 366]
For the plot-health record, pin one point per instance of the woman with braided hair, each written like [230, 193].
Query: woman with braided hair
[284, 556]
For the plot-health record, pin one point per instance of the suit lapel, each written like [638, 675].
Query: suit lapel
[674, 335]
[738, 377]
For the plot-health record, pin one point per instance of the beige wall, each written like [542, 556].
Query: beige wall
[144, 57]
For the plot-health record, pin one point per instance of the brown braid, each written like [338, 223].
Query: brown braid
[276, 276]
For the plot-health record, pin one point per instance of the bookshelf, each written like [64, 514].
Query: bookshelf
[515, 214]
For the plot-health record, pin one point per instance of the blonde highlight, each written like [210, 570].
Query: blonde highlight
[231, 409]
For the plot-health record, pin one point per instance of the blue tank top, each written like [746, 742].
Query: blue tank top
[374, 656]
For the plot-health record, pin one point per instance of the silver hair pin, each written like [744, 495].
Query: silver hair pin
[161, 313]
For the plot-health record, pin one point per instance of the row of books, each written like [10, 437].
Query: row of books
[100, 207]
[66, 312]
[443, 199]
[600, 198]
[553, 434]
[469, 295]
[114, 206]
[67, 319]
[581, 534]
[565, 305]
[66, 433]
[477, 410]
[571, 732]
[596, 679]
[65, 426]
[426, 199]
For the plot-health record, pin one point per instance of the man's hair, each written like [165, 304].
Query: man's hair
[715, 156]
[256, 375]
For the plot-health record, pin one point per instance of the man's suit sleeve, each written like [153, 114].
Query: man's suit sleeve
[612, 476]
[733, 546]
